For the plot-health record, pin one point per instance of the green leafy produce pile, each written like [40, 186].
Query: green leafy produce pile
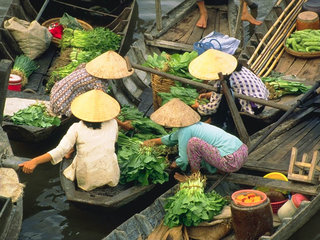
[35, 115]
[68, 21]
[175, 64]
[140, 164]
[187, 95]
[191, 205]
[77, 56]
[307, 40]
[97, 39]
[279, 87]
[144, 126]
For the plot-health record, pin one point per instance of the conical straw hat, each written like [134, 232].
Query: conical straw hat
[95, 106]
[109, 65]
[175, 113]
[210, 63]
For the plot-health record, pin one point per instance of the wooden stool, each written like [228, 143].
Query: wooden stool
[308, 20]
[306, 170]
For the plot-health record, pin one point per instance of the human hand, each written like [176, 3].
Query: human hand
[28, 166]
[206, 95]
[127, 125]
[173, 164]
[195, 105]
[149, 143]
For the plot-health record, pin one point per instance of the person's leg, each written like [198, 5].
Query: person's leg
[202, 22]
[199, 150]
[246, 16]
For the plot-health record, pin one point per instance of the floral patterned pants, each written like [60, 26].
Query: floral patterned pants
[199, 150]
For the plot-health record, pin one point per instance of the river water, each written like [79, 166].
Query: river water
[47, 213]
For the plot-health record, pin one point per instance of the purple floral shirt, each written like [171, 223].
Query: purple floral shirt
[243, 82]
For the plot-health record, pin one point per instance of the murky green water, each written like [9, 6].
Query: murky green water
[47, 213]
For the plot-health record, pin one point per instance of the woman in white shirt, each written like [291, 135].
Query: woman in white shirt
[95, 163]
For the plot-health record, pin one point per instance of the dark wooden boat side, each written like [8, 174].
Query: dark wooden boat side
[108, 197]
[10, 213]
[122, 24]
[140, 225]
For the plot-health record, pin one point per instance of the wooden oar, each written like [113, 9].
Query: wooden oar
[270, 31]
[209, 87]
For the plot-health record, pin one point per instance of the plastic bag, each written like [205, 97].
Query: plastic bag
[32, 38]
[218, 41]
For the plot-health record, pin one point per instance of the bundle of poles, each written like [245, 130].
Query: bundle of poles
[271, 47]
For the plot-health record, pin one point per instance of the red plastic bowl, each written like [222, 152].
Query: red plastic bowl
[247, 191]
[276, 205]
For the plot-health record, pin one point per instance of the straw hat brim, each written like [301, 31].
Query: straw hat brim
[109, 65]
[207, 65]
[95, 106]
[175, 113]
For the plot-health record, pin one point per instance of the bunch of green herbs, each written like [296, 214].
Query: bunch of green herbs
[140, 164]
[24, 65]
[35, 115]
[97, 39]
[68, 21]
[191, 205]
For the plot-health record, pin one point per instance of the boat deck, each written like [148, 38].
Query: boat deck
[302, 131]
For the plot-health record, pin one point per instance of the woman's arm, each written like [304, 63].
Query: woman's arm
[29, 166]
[152, 142]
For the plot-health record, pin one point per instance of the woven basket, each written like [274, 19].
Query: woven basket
[301, 54]
[159, 84]
[56, 41]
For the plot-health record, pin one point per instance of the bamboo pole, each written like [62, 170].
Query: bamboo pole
[275, 52]
[278, 3]
[274, 63]
[269, 31]
[286, 32]
[158, 15]
[238, 22]
[289, 16]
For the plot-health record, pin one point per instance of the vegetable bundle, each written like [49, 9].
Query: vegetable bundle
[141, 164]
[23, 66]
[77, 56]
[175, 64]
[35, 115]
[97, 39]
[191, 205]
[279, 87]
[307, 40]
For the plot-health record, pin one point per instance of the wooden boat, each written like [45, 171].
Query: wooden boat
[273, 155]
[10, 212]
[107, 197]
[117, 17]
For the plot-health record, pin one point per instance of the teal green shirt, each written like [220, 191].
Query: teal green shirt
[226, 143]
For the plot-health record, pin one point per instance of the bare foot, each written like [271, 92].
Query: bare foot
[179, 177]
[202, 22]
[248, 17]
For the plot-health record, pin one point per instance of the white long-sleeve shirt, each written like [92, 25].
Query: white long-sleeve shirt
[95, 163]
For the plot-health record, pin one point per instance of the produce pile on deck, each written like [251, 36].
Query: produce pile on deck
[307, 40]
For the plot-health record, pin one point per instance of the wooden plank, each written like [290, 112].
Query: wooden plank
[296, 67]
[196, 35]
[182, 29]
[5, 68]
[224, 24]
[170, 45]
[251, 180]
[311, 70]
[284, 63]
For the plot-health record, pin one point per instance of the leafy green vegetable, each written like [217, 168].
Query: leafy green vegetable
[141, 164]
[97, 39]
[187, 95]
[279, 87]
[68, 21]
[25, 65]
[191, 205]
[35, 115]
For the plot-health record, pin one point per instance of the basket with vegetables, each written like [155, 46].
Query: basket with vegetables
[303, 43]
[23, 67]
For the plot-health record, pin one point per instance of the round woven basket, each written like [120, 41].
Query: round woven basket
[159, 84]
[301, 54]
[56, 41]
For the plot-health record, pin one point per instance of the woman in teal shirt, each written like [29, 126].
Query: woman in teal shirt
[198, 142]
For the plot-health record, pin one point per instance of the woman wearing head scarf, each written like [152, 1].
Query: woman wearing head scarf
[198, 142]
[93, 75]
[95, 163]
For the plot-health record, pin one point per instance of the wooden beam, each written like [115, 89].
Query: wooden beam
[5, 69]
[255, 181]
[242, 131]
[170, 45]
